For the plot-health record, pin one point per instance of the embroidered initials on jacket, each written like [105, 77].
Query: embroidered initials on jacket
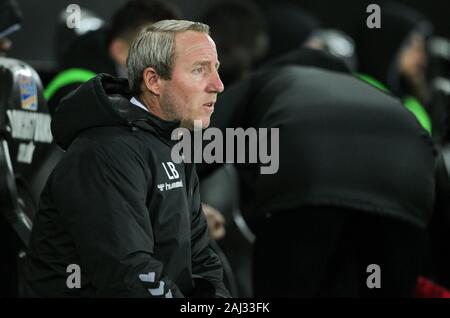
[173, 173]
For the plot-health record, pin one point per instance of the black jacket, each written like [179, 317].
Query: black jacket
[342, 143]
[118, 207]
[88, 52]
[378, 49]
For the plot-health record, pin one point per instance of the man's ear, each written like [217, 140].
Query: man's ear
[152, 81]
[118, 50]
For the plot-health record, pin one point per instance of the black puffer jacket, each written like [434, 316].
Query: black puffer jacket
[342, 143]
[118, 207]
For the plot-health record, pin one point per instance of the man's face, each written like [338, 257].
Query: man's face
[192, 91]
[413, 58]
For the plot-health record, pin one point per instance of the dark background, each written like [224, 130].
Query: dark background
[34, 43]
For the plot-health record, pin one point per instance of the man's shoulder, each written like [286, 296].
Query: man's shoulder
[113, 138]
[117, 147]
[112, 144]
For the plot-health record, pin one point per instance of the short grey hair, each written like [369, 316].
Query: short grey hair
[155, 47]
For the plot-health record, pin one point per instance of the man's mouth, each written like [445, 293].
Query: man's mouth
[210, 106]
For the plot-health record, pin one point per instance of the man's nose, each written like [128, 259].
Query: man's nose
[215, 85]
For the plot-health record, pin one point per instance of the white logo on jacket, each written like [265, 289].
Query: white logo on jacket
[172, 174]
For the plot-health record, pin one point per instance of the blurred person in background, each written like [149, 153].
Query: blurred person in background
[106, 49]
[336, 43]
[66, 36]
[327, 214]
[394, 57]
[239, 30]
[10, 20]
[247, 35]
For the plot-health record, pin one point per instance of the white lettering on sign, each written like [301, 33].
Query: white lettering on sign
[30, 126]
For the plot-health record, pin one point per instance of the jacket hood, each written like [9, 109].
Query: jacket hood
[289, 27]
[103, 101]
[378, 49]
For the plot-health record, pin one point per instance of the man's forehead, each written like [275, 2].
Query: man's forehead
[191, 42]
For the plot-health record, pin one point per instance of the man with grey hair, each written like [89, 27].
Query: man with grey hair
[117, 217]
[171, 90]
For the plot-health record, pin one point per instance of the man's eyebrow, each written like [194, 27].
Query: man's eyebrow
[206, 63]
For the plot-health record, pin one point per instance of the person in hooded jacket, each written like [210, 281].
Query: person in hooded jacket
[116, 205]
[104, 50]
[354, 188]
[395, 58]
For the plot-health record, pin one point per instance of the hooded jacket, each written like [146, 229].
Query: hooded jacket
[84, 57]
[342, 143]
[117, 206]
[378, 49]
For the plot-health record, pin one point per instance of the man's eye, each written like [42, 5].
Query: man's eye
[198, 70]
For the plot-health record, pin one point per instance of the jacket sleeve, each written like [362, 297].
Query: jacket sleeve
[207, 268]
[100, 193]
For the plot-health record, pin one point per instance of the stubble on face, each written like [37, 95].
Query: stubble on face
[174, 110]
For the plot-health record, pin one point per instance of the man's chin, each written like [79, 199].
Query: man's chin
[196, 124]
[205, 123]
